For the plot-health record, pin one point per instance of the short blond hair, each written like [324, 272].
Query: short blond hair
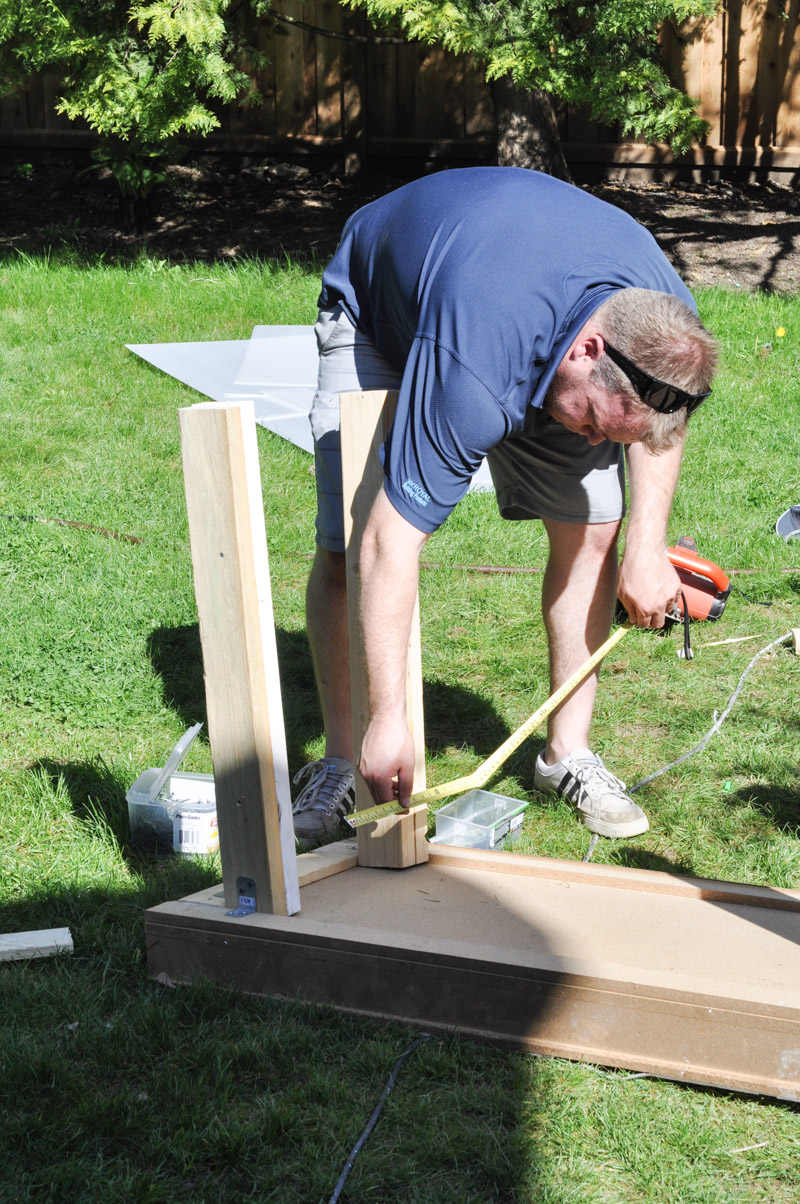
[666, 339]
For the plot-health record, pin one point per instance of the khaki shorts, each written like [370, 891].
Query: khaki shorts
[545, 472]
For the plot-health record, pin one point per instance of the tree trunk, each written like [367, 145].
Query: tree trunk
[527, 130]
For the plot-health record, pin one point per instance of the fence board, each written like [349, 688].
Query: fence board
[686, 60]
[406, 93]
[478, 110]
[329, 72]
[751, 89]
[438, 94]
[382, 91]
[711, 90]
[290, 80]
[787, 132]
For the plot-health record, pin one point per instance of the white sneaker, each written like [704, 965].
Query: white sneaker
[598, 797]
[328, 795]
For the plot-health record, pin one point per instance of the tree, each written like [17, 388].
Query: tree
[600, 53]
[138, 72]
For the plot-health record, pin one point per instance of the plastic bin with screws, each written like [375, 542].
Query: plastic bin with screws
[172, 812]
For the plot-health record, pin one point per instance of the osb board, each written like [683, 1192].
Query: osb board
[694, 985]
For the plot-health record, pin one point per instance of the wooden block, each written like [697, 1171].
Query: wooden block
[326, 861]
[687, 979]
[19, 946]
[234, 603]
[398, 841]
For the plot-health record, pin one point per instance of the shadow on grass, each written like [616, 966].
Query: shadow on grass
[115, 1088]
[97, 797]
[779, 804]
[453, 714]
[643, 859]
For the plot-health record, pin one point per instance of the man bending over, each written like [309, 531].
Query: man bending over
[523, 320]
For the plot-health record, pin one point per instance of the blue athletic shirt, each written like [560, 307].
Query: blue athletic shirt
[474, 283]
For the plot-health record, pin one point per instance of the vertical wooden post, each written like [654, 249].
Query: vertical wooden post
[234, 603]
[398, 841]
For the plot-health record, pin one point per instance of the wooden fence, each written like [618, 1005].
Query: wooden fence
[335, 87]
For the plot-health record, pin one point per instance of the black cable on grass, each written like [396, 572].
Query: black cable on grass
[373, 1120]
[747, 598]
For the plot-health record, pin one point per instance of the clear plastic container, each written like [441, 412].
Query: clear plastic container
[480, 819]
[172, 812]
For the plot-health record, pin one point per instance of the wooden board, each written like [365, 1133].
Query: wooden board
[682, 978]
[240, 662]
[19, 946]
[398, 841]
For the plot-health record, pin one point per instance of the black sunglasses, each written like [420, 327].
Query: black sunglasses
[654, 392]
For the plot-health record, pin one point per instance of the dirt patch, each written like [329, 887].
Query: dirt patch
[724, 234]
[738, 236]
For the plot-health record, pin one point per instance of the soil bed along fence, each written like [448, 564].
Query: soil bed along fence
[336, 89]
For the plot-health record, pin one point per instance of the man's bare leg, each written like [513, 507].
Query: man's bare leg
[578, 605]
[326, 621]
[327, 793]
[578, 595]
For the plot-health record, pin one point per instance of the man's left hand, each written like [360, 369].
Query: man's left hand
[648, 587]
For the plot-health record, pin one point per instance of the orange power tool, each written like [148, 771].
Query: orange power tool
[703, 584]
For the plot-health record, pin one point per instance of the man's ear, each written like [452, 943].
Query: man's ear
[588, 347]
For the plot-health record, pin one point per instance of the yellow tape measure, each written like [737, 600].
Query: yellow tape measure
[489, 767]
[356, 819]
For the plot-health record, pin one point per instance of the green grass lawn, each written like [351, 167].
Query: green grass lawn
[115, 1088]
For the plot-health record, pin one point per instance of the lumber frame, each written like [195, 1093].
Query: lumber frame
[397, 841]
[688, 979]
[245, 712]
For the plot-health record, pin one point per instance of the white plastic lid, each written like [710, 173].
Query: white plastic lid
[173, 761]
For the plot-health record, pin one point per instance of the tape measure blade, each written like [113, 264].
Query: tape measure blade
[381, 811]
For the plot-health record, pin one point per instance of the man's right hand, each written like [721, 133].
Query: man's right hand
[386, 761]
[388, 572]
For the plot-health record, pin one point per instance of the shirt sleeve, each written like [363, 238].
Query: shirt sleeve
[446, 422]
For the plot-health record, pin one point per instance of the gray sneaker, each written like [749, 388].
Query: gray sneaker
[598, 797]
[328, 795]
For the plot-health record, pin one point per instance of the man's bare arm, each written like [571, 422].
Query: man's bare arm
[647, 583]
[389, 571]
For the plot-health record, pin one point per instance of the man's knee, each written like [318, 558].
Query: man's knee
[587, 542]
[328, 572]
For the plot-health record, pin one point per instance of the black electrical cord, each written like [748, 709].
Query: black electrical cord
[373, 1120]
